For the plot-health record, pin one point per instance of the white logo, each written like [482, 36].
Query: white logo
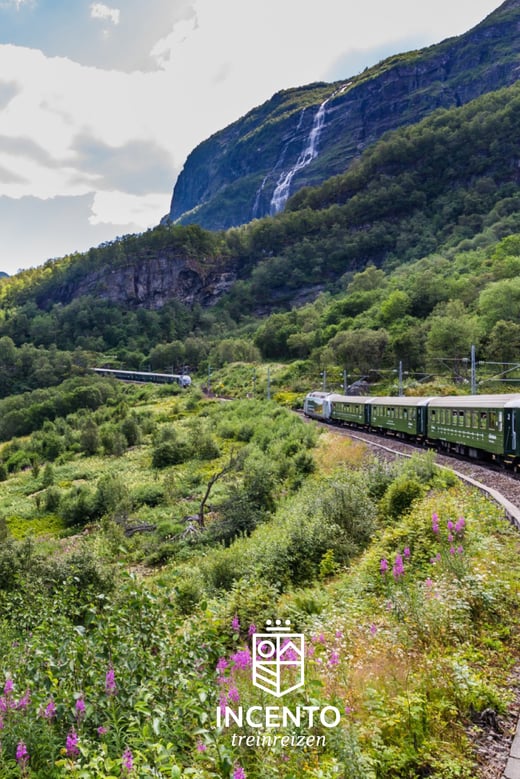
[278, 659]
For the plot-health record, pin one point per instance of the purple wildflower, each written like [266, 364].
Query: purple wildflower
[252, 630]
[435, 523]
[24, 700]
[22, 755]
[80, 708]
[339, 634]
[452, 550]
[201, 747]
[8, 690]
[71, 744]
[450, 538]
[406, 552]
[233, 695]
[398, 569]
[348, 709]
[110, 682]
[334, 658]
[50, 710]
[235, 624]
[102, 730]
[128, 761]
[239, 772]
[459, 525]
[383, 565]
[460, 550]
[428, 583]
[242, 659]
[450, 525]
[222, 665]
[1, 724]
[373, 629]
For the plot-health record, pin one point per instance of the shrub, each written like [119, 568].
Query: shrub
[399, 497]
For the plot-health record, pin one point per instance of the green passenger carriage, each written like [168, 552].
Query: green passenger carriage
[472, 423]
[402, 416]
[354, 409]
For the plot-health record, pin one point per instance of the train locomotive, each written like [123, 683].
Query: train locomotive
[479, 426]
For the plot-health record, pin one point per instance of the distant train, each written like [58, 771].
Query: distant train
[155, 378]
[472, 425]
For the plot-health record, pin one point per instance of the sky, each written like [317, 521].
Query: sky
[100, 103]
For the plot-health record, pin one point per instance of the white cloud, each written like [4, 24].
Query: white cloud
[101, 11]
[120, 208]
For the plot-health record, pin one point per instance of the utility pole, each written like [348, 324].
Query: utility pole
[400, 378]
[324, 379]
[473, 371]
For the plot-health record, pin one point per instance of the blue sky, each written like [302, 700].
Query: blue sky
[100, 103]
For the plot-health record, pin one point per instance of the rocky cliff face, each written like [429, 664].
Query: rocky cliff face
[151, 281]
[303, 136]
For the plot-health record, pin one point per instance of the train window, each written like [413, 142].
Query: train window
[467, 418]
[492, 420]
[461, 418]
[474, 419]
[434, 415]
[500, 421]
[483, 420]
[405, 413]
[454, 417]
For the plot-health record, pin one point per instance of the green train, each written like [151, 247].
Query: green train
[472, 425]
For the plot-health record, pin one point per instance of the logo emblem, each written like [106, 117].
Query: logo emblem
[278, 659]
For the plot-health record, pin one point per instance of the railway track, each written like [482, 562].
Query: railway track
[500, 485]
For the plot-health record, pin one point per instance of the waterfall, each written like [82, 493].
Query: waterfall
[310, 151]
[279, 162]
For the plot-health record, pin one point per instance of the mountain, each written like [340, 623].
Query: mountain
[303, 136]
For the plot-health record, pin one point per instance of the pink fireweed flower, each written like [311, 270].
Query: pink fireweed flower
[50, 710]
[71, 743]
[406, 552]
[310, 650]
[428, 583]
[383, 565]
[8, 689]
[459, 525]
[339, 634]
[452, 550]
[110, 682]
[22, 755]
[460, 550]
[373, 629]
[222, 665]
[80, 708]
[24, 700]
[239, 772]
[242, 659]
[235, 624]
[252, 630]
[348, 709]
[398, 569]
[450, 538]
[450, 525]
[1, 724]
[127, 761]
[102, 730]
[201, 747]
[233, 695]
[334, 658]
[435, 523]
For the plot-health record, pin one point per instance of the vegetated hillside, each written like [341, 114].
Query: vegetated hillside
[404, 585]
[305, 135]
[450, 178]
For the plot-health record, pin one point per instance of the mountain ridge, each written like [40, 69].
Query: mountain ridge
[231, 177]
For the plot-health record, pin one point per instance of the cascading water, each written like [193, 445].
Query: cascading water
[309, 153]
[281, 191]
[279, 162]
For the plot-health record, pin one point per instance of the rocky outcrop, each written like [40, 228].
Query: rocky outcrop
[237, 174]
[152, 281]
